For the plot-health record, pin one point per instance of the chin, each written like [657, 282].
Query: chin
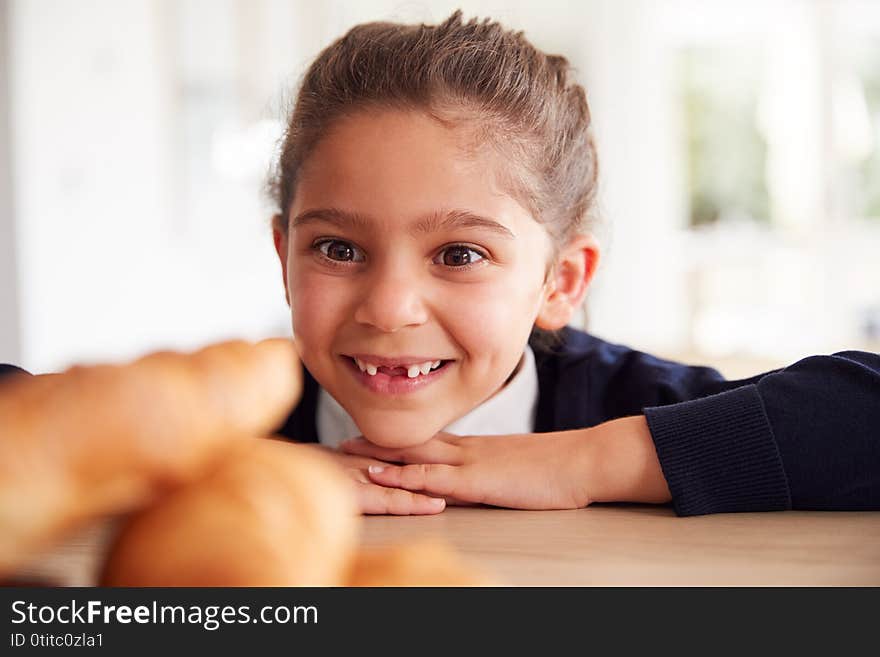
[392, 430]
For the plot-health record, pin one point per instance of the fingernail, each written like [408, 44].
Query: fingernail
[375, 469]
[438, 501]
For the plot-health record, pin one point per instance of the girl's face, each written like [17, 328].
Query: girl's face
[403, 251]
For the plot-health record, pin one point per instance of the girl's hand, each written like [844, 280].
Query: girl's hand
[378, 499]
[613, 462]
[529, 471]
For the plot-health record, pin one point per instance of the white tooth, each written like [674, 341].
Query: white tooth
[371, 369]
[435, 364]
[360, 364]
[412, 371]
[424, 368]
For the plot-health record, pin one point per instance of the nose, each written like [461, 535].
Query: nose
[392, 299]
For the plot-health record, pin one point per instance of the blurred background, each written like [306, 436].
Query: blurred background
[739, 145]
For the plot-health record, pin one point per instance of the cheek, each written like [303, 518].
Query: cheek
[316, 305]
[495, 317]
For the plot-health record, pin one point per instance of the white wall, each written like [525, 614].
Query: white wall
[112, 259]
[10, 329]
[639, 296]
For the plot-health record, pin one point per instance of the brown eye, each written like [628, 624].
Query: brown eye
[340, 251]
[460, 256]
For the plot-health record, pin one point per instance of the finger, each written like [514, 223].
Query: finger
[433, 451]
[378, 500]
[433, 478]
[358, 474]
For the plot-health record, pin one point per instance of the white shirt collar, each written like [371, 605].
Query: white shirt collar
[512, 410]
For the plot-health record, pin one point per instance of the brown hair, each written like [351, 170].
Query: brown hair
[478, 75]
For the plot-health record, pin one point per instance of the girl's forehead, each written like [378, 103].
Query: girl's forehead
[400, 139]
[405, 166]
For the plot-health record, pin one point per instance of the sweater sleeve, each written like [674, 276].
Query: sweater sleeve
[804, 437]
[9, 370]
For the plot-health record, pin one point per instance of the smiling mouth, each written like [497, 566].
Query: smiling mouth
[409, 370]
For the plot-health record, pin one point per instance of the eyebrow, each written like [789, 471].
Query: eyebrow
[433, 223]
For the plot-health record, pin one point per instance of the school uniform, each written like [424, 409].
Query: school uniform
[803, 437]
[6, 370]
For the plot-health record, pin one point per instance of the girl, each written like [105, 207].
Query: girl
[435, 194]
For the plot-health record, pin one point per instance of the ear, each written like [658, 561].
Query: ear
[567, 282]
[279, 236]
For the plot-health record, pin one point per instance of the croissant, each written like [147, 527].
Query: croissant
[271, 514]
[102, 439]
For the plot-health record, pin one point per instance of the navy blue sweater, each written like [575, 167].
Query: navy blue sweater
[803, 437]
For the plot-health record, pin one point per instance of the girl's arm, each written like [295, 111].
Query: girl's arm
[613, 462]
[804, 437]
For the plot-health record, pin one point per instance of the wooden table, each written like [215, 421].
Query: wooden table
[609, 545]
[619, 545]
